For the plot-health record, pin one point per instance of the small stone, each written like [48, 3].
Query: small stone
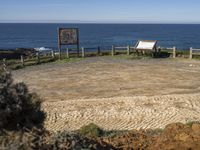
[191, 65]
[182, 137]
[196, 128]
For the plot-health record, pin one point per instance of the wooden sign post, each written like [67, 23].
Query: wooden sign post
[68, 36]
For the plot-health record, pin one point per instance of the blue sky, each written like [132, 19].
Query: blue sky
[105, 11]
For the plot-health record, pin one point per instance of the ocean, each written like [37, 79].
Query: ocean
[183, 36]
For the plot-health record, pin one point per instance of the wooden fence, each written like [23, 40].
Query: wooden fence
[194, 52]
[127, 48]
[38, 58]
[84, 50]
[171, 50]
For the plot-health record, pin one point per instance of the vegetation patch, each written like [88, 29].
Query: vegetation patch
[190, 123]
[66, 60]
[91, 130]
[18, 107]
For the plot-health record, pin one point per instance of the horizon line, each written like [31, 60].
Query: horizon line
[99, 22]
[95, 22]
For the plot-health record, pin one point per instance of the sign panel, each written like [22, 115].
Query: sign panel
[146, 45]
[68, 36]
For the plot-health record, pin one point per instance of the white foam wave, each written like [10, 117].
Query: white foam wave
[43, 49]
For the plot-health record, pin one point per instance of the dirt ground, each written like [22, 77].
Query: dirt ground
[116, 93]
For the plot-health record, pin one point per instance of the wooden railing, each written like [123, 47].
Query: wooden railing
[171, 50]
[194, 52]
[127, 48]
[23, 61]
[38, 58]
[83, 50]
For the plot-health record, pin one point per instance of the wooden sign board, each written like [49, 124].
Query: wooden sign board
[146, 45]
[68, 36]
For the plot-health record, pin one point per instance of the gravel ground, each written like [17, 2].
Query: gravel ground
[116, 93]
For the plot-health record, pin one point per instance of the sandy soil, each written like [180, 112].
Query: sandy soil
[116, 94]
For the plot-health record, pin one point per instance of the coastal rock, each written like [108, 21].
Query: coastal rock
[16, 53]
[26, 51]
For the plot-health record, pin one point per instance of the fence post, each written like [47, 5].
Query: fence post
[158, 50]
[52, 54]
[67, 52]
[98, 50]
[59, 52]
[37, 58]
[4, 64]
[174, 52]
[128, 50]
[22, 60]
[83, 52]
[190, 53]
[113, 50]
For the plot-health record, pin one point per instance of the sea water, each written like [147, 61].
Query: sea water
[183, 36]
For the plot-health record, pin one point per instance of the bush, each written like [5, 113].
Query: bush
[190, 123]
[43, 140]
[23, 139]
[18, 107]
[91, 130]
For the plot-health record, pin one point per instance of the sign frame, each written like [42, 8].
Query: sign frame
[60, 43]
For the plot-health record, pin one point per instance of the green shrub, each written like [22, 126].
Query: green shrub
[43, 140]
[190, 123]
[91, 130]
[16, 67]
[22, 140]
[66, 140]
[18, 107]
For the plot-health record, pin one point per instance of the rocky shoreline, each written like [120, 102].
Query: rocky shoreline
[16, 53]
